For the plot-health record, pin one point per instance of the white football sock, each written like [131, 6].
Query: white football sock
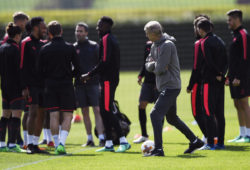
[30, 139]
[25, 137]
[63, 136]
[248, 132]
[2, 144]
[101, 137]
[243, 131]
[123, 140]
[56, 140]
[49, 136]
[35, 140]
[90, 138]
[109, 143]
[45, 134]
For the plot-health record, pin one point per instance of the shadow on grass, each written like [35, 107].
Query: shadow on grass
[190, 156]
[174, 143]
[236, 148]
[130, 152]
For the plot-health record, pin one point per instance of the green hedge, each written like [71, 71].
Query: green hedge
[71, 17]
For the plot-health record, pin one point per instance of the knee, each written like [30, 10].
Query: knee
[172, 119]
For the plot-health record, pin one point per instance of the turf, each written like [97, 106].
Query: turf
[236, 156]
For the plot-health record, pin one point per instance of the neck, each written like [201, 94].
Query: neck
[35, 35]
[237, 26]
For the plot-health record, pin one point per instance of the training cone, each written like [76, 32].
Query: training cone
[77, 118]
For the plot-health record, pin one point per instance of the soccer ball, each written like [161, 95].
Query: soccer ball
[147, 147]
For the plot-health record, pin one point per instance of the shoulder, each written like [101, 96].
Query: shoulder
[92, 42]
[26, 41]
[75, 44]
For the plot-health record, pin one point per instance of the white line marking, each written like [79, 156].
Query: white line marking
[44, 160]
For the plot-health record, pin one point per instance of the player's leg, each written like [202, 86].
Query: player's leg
[24, 124]
[88, 126]
[99, 125]
[3, 126]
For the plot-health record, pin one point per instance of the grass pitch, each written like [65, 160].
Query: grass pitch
[236, 156]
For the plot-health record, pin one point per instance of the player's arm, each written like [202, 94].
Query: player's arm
[104, 62]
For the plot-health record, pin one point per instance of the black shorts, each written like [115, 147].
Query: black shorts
[87, 95]
[36, 96]
[148, 93]
[12, 99]
[60, 99]
[241, 91]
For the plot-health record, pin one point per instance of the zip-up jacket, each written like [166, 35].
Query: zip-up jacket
[55, 63]
[165, 64]
[88, 52]
[195, 75]
[148, 77]
[214, 58]
[108, 67]
[30, 48]
[239, 62]
[9, 66]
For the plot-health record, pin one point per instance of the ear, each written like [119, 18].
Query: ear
[50, 36]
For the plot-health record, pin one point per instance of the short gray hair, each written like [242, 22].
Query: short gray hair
[153, 27]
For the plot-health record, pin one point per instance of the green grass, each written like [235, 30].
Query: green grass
[236, 156]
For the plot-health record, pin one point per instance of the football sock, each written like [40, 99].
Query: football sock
[143, 121]
[243, 131]
[101, 137]
[25, 138]
[56, 140]
[14, 126]
[108, 143]
[63, 136]
[49, 135]
[90, 138]
[30, 139]
[35, 140]
[123, 140]
[248, 132]
[3, 126]
[45, 134]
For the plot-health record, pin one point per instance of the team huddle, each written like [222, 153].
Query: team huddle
[37, 69]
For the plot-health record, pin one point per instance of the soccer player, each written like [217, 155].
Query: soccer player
[32, 84]
[194, 86]
[148, 94]
[239, 73]
[87, 94]
[20, 19]
[12, 100]
[108, 69]
[55, 67]
[163, 62]
[212, 52]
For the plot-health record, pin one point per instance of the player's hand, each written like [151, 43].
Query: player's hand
[219, 78]
[85, 77]
[236, 82]
[139, 80]
[25, 94]
[227, 82]
[188, 91]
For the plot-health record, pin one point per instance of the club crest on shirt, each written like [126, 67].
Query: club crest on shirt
[78, 51]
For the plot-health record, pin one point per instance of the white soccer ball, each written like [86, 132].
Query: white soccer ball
[147, 147]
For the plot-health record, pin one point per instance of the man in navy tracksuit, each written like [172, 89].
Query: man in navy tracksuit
[239, 73]
[108, 69]
[87, 94]
[213, 67]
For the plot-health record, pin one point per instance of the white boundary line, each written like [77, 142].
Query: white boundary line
[44, 160]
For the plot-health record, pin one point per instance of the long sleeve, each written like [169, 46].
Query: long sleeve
[164, 58]
[105, 59]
